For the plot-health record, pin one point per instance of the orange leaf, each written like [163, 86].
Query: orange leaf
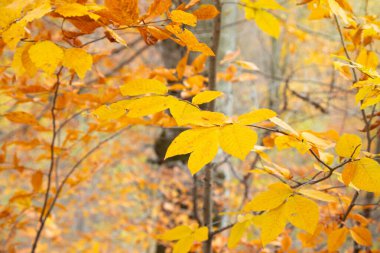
[21, 117]
[361, 235]
[36, 180]
[206, 11]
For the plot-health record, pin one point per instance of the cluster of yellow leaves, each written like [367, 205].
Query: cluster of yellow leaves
[47, 56]
[186, 237]
[368, 89]
[88, 17]
[236, 138]
[259, 12]
[363, 173]
[279, 205]
[211, 129]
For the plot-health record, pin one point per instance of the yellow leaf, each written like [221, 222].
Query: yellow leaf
[205, 118]
[21, 118]
[181, 66]
[274, 197]
[182, 17]
[14, 34]
[185, 142]
[38, 12]
[17, 63]
[319, 195]
[143, 86]
[268, 23]
[336, 239]
[238, 230]
[205, 149]
[176, 233]
[181, 110]
[364, 174]
[302, 213]
[113, 111]
[186, 237]
[237, 140]
[349, 172]
[149, 105]
[113, 36]
[337, 10]
[158, 7]
[184, 245]
[267, 4]
[46, 56]
[78, 60]
[206, 11]
[201, 234]
[206, 96]
[361, 235]
[189, 39]
[36, 180]
[348, 146]
[256, 116]
[284, 125]
[316, 141]
[284, 142]
[271, 224]
[27, 63]
[75, 10]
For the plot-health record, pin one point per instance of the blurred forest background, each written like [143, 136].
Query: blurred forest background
[120, 193]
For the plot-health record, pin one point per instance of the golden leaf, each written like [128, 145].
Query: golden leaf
[46, 55]
[206, 96]
[143, 86]
[78, 60]
[182, 17]
[271, 199]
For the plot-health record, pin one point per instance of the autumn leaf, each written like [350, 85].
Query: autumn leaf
[205, 12]
[75, 10]
[180, 111]
[319, 195]
[21, 118]
[181, 66]
[348, 146]
[186, 236]
[202, 143]
[205, 118]
[256, 116]
[78, 60]
[271, 199]
[182, 17]
[176, 233]
[302, 213]
[336, 239]
[46, 55]
[206, 96]
[361, 235]
[113, 111]
[267, 4]
[149, 105]
[268, 23]
[205, 150]
[279, 122]
[237, 140]
[364, 174]
[271, 224]
[238, 230]
[36, 180]
[143, 86]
